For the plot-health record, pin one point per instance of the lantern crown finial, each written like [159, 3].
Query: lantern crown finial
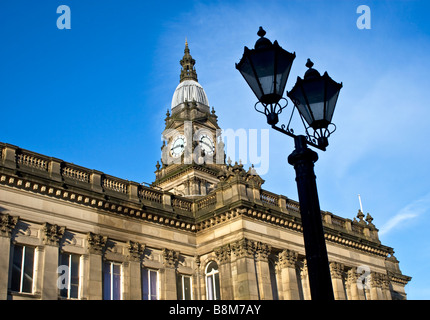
[261, 32]
[311, 72]
[263, 42]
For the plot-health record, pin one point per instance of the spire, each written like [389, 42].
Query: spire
[188, 72]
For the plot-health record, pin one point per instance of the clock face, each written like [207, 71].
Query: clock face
[178, 146]
[206, 144]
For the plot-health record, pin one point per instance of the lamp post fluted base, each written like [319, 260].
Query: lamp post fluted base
[303, 159]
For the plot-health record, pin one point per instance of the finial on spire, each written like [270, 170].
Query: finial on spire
[188, 71]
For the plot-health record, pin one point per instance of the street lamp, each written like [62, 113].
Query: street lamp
[266, 69]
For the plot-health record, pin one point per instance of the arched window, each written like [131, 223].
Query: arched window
[212, 281]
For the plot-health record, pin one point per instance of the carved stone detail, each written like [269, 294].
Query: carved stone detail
[288, 258]
[262, 250]
[336, 270]
[352, 275]
[96, 243]
[135, 250]
[197, 261]
[376, 280]
[52, 234]
[243, 248]
[7, 224]
[171, 258]
[223, 253]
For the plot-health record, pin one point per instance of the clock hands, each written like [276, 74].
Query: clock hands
[179, 145]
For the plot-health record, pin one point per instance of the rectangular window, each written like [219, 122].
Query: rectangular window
[184, 287]
[111, 281]
[149, 284]
[22, 269]
[69, 274]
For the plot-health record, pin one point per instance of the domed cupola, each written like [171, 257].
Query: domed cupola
[188, 89]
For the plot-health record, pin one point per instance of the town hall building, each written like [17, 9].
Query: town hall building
[205, 229]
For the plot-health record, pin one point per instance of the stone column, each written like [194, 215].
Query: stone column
[386, 287]
[263, 271]
[245, 285]
[197, 283]
[223, 255]
[353, 285]
[305, 281]
[7, 224]
[96, 246]
[336, 270]
[134, 281]
[287, 264]
[376, 286]
[168, 275]
[52, 235]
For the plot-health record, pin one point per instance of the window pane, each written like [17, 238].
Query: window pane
[16, 268]
[63, 262]
[179, 287]
[106, 281]
[27, 280]
[116, 282]
[153, 277]
[74, 276]
[209, 283]
[145, 284]
[187, 288]
[218, 295]
[212, 267]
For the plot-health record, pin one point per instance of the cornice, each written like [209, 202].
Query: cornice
[189, 223]
[183, 170]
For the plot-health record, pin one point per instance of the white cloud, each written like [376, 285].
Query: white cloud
[411, 211]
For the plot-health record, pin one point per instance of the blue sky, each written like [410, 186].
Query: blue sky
[96, 95]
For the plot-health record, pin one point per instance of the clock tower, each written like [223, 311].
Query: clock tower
[192, 150]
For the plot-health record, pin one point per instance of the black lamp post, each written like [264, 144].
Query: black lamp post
[266, 69]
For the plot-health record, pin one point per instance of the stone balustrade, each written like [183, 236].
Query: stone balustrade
[33, 164]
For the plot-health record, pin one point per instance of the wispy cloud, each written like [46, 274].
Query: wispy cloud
[411, 211]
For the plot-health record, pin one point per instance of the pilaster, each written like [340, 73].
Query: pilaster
[52, 235]
[287, 265]
[376, 286]
[7, 224]
[170, 261]
[135, 252]
[243, 271]
[223, 255]
[263, 271]
[386, 287]
[305, 281]
[354, 291]
[336, 270]
[96, 246]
